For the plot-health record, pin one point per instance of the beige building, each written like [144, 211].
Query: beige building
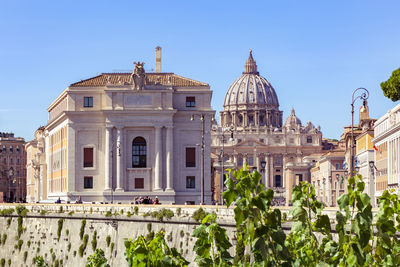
[328, 176]
[116, 136]
[12, 168]
[252, 133]
[387, 141]
[36, 168]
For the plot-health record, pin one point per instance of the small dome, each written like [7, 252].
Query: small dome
[292, 120]
[251, 89]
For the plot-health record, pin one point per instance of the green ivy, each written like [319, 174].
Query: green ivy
[97, 259]
[155, 252]
[59, 229]
[82, 230]
[94, 240]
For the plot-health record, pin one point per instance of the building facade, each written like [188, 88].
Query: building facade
[36, 168]
[387, 142]
[12, 168]
[117, 136]
[328, 176]
[365, 153]
[252, 133]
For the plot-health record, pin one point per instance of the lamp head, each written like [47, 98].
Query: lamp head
[371, 164]
[192, 117]
[263, 164]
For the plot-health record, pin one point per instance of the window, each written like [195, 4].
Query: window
[190, 182]
[139, 183]
[190, 157]
[11, 149]
[240, 162]
[88, 101]
[251, 119]
[262, 140]
[251, 161]
[12, 161]
[17, 161]
[261, 119]
[4, 149]
[190, 101]
[17, 149]
[278, 170]
[337, 166]
[278, 181]
[88, 157]
[139, 152]
[88, 182]
[277, 161]
[17, 173]
[309, 139]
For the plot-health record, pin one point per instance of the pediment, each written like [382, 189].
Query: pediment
[250, 143]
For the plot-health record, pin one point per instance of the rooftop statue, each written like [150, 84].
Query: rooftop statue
[138, 76]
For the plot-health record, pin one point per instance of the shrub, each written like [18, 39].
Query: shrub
[167, 213]
[3, 239]
[129, 214]
[60, 226]
[82, 230]
[20, 242]
[82, 247]
[108, 214]
[69, 246]
[112, 248]
[178, 211]
[25, 255]
[67, 232]
[199, 215]
[108, 240]
[21, 210]
[94, 240]
[61, 210]
[43, 212]
[136, 210]
[29, 243]
[182, 233]
[8, 222]
[6, 212]
[2, 262]
[71, 213]
[97, 259]
[155, 251]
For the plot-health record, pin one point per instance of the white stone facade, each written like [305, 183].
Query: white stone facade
[387, 140]
[109, 138]
[251, 114]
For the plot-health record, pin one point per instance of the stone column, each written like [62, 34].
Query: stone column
[233, 118]
[271, 170]
[244, 160]
[256, 158]
[285, 182]
[118, 159]
[267, 181]
[235, 159]
[330, 191]
[158, 151]
[107, 155]
[257, 119]
[170, 158]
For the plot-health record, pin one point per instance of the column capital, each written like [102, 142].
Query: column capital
[109, 127]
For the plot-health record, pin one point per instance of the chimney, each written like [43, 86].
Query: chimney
[158, 59]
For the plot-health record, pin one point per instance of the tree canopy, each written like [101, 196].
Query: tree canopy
[391, 88]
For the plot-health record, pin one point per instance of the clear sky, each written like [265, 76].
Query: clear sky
[314, 53]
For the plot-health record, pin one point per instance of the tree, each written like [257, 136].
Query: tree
[391, 88]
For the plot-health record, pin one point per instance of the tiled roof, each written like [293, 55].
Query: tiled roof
[125, 78]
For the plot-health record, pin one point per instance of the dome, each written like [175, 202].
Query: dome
[251, 89]
[292, 121]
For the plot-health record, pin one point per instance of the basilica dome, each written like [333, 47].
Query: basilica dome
[251, 89]
[292, 121]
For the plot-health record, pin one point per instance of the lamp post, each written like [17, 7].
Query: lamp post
[10, 175]
[371, 192]
[202, 118]
[364, 96]
[263, 163]
[336, 188]
[223, 161]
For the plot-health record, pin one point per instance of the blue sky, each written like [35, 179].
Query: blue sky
[314, 53]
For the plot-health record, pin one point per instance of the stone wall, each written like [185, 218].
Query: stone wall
[42, 222]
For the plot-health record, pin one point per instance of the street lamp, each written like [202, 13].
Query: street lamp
[364, 96]
[222, 160]
[202, 118]
[10, 175]
[263, 163]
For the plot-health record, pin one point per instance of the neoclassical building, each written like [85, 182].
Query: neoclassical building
[252, 132]
[116, 136]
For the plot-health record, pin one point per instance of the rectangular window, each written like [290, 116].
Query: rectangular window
[88, 182]
[309, 139]
[337, 166]
[190, 101]
[190, 182]
[88, 157]
[139, 183]
[88, 101]
[251, 161]
[277, 161]
[11, 149]
[262, 140]
[190, 157]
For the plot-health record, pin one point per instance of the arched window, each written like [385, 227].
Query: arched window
[139, 151]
